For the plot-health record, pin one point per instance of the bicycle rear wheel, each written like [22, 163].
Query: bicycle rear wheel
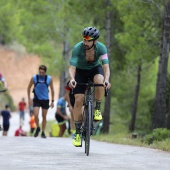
[88, 129]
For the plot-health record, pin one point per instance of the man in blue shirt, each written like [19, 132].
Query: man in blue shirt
[41, 82]
[61, 115]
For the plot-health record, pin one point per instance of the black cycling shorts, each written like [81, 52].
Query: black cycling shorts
[41, 103]
[5, 127]
[82, 76]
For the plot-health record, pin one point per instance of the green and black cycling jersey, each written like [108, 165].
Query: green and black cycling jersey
[78, 58]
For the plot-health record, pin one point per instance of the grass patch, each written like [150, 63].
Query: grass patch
[126, 139]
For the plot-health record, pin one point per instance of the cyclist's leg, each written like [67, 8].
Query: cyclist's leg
[79, 92]
[98, 78]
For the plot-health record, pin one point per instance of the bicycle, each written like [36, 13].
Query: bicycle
[1, 91]
[87, 125]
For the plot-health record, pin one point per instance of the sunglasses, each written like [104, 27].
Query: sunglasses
[88, 38]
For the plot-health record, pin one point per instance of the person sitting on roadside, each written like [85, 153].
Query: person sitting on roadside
[20, 132]
[61, 115]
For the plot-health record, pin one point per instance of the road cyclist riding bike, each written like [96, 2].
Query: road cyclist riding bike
[85, 64]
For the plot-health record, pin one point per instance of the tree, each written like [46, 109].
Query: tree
[159, 117]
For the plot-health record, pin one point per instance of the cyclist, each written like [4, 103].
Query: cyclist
[2, 79]
[41, 82]
[84, 64]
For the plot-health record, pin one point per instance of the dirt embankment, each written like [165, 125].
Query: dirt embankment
[18, 68]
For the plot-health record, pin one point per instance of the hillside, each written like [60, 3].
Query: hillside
[18, 68]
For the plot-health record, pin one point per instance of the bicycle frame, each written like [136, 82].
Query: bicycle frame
[87, 126]
[88, 120]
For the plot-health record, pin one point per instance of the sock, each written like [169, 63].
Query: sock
[78, 126]
[98, 103]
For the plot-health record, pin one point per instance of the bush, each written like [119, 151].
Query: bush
[158, 134]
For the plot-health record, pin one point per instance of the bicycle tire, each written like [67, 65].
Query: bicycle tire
[88, 129]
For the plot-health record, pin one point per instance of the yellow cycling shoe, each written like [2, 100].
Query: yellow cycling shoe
[77, 140]
[97, 115]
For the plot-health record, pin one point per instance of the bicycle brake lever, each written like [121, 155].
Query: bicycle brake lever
[72, 90]
[106, 91]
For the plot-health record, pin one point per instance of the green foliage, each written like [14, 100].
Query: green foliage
[10, 19]
[158, 134]
[43, 27]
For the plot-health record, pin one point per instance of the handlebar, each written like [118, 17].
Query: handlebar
[4, 90]
[91, 84]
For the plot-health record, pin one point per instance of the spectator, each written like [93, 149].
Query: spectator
[41, 83]
[2, 79]
[6, 115]
[61, 115]
[20, 132]
[32, 123]
[22, 106]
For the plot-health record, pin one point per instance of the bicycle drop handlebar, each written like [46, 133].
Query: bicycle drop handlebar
[91, 84]
[3, 90]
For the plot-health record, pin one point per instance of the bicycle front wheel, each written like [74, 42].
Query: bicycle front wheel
[88, 128]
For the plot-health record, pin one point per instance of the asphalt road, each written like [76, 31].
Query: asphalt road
[22, 153]
[27, 153]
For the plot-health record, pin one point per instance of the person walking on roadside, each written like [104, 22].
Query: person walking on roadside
[41, 83]
[21, 107]
[6, 115]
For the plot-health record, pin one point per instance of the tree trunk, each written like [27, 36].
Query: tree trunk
[134, 109]
[168, 37]
[63, 74]
[159, 116]
[106, 121]
[168, 117]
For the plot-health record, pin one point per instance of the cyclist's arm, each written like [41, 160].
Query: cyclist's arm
[106, 70]
[71, 72]
[29, 89]
[4, 84]
[52, 92]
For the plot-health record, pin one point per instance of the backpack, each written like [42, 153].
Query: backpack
[37, 82]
